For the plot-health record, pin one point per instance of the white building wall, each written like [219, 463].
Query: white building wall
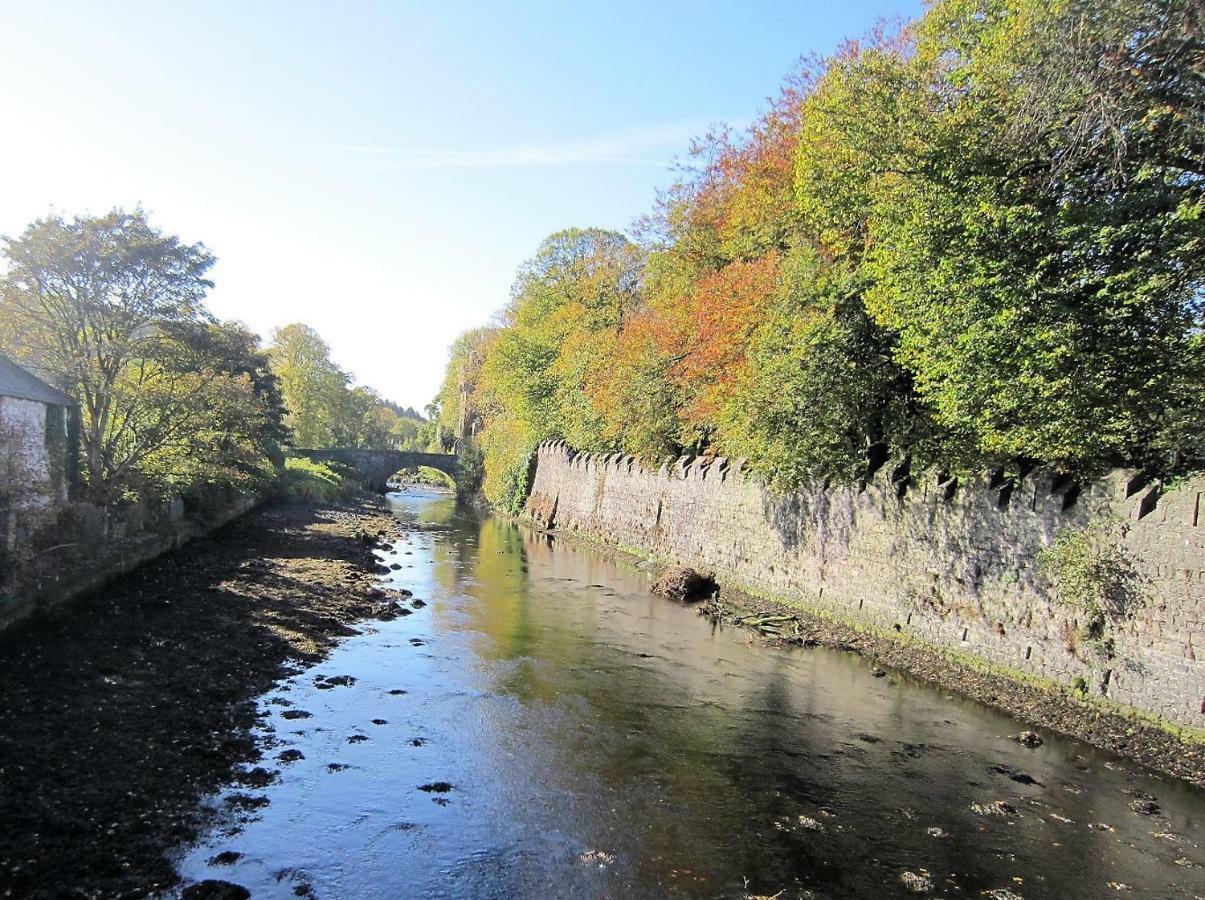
[23, 452]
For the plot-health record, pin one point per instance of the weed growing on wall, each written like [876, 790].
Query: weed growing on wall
[1091, 574]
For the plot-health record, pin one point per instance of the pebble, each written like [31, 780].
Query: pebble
[917, 882]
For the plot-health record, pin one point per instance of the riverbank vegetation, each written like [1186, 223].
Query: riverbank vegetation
[313, 482]
[172, 401]
[972, 239]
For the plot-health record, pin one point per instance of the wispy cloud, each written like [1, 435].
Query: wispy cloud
[654, 146]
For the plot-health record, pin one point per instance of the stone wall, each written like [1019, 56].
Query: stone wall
[88, 546]
[952, 563]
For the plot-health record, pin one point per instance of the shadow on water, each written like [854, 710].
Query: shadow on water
[115, 721]
[562, 732]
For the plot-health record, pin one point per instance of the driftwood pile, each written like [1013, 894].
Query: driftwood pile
[775, 626]
[685, 585]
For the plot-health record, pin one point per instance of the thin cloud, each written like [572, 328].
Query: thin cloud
[654, 146]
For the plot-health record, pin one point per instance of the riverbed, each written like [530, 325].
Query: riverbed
[540, 725]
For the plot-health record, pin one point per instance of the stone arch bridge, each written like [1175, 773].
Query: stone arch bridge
[375, 467]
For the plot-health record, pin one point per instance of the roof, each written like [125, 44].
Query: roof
[17, 382]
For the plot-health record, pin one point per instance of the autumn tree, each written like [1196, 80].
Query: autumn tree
[971, 239]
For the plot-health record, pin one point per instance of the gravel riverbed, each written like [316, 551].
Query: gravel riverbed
[122, 709]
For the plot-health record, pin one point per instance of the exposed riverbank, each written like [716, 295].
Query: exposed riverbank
[1043, 705]
[122, 709]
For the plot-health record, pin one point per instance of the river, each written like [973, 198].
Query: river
[545, 727]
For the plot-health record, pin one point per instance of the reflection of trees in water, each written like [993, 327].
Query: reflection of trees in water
[609, 728]
[455, 536]
[699, 764]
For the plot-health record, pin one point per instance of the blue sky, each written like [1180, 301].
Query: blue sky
[379, 170]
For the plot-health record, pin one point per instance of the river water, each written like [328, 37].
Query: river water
[545, 727]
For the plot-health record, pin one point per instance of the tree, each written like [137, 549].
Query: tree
[975, 238]
[1034, 236]
[578, 291]
[311, 384]
[231, 428]
[324, 408]
[107, 307]
[458, 409]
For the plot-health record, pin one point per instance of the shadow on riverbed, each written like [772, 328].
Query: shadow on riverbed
[122, 709]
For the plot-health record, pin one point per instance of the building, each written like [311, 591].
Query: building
[37, 440]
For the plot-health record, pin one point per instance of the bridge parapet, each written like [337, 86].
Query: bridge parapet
[375, 467]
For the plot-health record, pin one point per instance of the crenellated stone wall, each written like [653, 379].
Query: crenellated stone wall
[952, 563]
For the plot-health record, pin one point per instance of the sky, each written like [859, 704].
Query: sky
[380, 170]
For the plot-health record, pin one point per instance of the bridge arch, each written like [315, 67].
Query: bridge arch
[375, 467]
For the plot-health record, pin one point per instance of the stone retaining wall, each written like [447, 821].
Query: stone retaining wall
[951, 563]
[90, 546]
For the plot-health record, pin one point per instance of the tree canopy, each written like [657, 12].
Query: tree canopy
[325, 409]
[112, 310]
[974, 238]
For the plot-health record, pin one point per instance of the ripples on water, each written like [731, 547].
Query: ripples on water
[544, 727]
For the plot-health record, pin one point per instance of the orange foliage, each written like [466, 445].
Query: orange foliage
[742, 197]
[706, 333]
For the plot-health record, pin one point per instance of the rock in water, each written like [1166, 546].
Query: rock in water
[682, 583]
[1029, 739]
[212, 889]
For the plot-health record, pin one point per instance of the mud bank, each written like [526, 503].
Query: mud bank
[1045, 706]
[123, 708]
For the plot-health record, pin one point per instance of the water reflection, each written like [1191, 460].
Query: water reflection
[601, 742]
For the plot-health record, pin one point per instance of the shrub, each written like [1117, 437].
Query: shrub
[470, 469]
[1091, 573]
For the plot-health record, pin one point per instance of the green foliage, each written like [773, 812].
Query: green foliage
[973, 239]
[314, 388]
[113, 311]
[470, 469]
[313, 482]
[1021, 224]
[512, 387]
[458, 412]
[1091, 573]
[436, 477]
[324, 409]
[819, 387]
